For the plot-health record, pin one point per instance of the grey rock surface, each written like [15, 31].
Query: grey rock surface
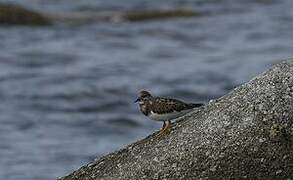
[246, 134]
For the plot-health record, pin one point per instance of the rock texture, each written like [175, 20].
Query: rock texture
[246, 134]
[17, 15]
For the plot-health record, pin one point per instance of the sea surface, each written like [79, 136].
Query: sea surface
[67, 91]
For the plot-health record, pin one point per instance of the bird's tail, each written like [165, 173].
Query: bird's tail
[194, 105]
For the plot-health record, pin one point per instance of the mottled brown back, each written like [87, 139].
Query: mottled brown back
[166, 105]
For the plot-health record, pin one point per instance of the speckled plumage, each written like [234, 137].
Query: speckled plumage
[158, 106]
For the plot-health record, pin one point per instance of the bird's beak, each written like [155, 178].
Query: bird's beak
[136, 100]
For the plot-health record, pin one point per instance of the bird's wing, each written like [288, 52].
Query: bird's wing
[166, 105]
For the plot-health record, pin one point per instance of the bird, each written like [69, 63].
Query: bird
[163, 109]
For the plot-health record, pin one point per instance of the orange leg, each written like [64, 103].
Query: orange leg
[165, 127]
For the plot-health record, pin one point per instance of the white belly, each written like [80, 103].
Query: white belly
[169, 116]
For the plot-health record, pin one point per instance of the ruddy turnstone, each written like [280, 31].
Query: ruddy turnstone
[163, 109]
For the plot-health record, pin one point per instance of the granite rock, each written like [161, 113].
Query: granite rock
[246, 134]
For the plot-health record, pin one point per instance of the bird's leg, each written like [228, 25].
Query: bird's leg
[165, 128]
[168, 126]
[164, 125]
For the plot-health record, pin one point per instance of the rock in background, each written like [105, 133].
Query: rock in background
[11, 14]
[17, 15]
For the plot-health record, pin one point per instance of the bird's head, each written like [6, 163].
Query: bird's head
[143, 95]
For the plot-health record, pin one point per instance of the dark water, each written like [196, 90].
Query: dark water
[67, 91]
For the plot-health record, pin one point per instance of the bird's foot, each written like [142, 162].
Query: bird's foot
[166, 129]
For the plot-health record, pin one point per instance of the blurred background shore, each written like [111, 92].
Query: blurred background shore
[70, 70]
